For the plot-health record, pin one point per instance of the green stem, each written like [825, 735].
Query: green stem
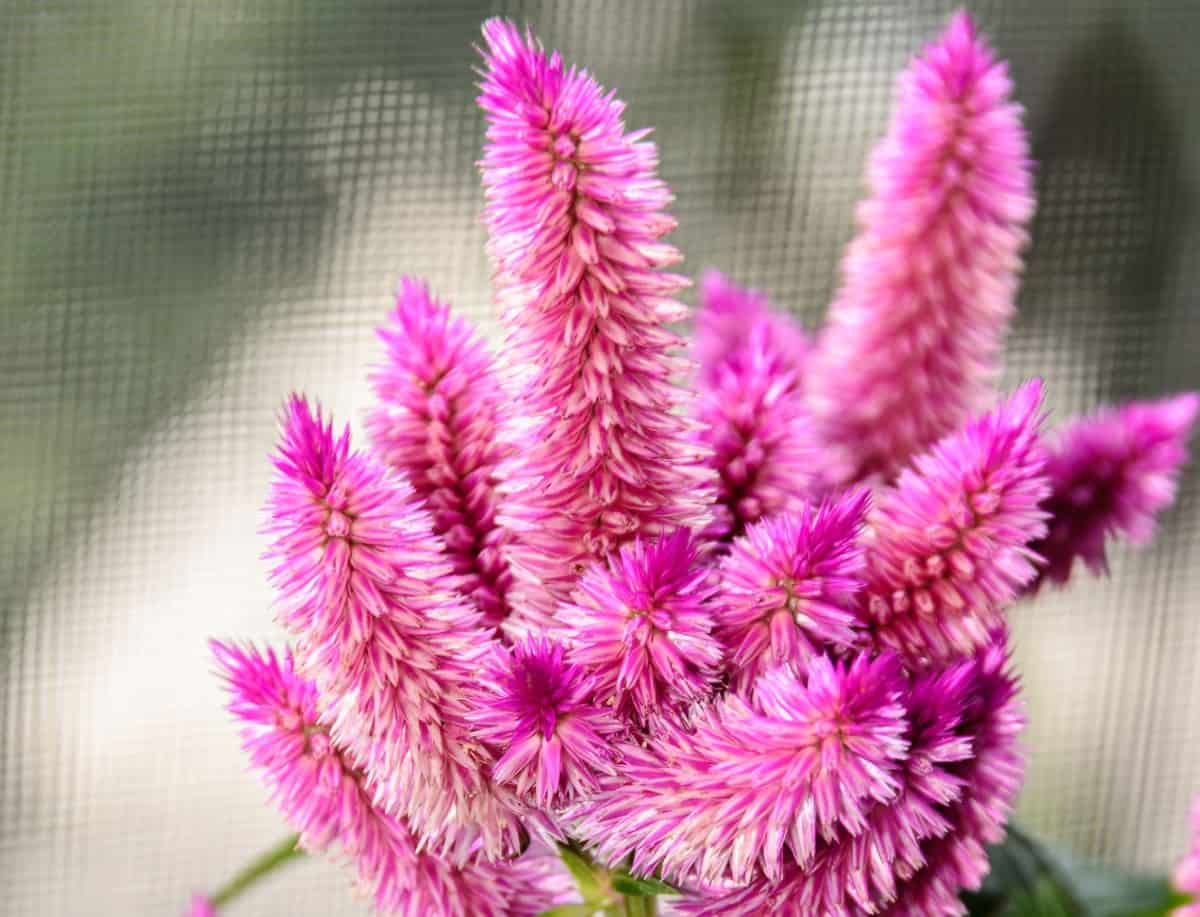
[636, 906]
[283, 852]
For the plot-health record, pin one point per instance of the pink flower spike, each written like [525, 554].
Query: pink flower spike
[535, 711]
[951, 538]
[642, 625]
[436, 423]
[324, 796]
[1110, 475]
[753, 787]
[366, 589]
[575, 215]
[1186, 875]
[911, 344]
[789, 588]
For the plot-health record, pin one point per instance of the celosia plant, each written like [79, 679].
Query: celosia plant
[746, 650]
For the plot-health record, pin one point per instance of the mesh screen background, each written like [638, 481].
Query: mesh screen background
[207, 204]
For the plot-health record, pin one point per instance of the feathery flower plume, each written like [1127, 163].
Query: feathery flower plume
[642, 625]
[751, 416]
[575, 218]
[950, 548]
[1186, 876]
[366, 589]
[1110, 475]
[912, 340]
[789, 588]
[756, 785]
[921, 849]
[535, 710]
[436, 423]
[324, 796]
[729, 317]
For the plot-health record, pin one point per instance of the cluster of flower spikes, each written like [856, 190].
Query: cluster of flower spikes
[732, 642]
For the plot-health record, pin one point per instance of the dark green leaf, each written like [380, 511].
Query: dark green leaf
[641, 886]
[570, 910]
[585, 873]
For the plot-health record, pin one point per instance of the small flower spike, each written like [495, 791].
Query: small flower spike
[575, 216]
[436, 423]
[1186, 876]
[911, 345]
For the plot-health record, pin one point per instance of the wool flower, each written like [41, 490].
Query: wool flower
[921, 849]
[911, 344]
[1110, 475]
[789, 588]
[754, 785]
[1186, 876]
[950, 547]
[575, 216]
[535, 710]
[436, 423]
[366, 589]
[326, 798]
[642, 625]
[750, 413]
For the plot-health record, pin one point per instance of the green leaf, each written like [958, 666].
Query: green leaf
[587, 876]
[641, 886]
[570, 910]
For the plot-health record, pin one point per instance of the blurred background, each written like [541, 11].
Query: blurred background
[205, 204]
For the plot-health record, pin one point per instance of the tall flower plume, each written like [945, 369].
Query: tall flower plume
[750, 413]
[366, 589]
[918, 851]
[535, 710]
[1110, 475]
[951, 538]
[436, 423]
[789, 588]
[575, 218]
[642, 624]
[913, 336]
[754, 786]
[324, 796]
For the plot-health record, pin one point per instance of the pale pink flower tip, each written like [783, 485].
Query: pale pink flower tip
[437, 423]
[911, 345]
[642, 625]
[575, 214]
[535, 710]
[200, 906]
[789, 588]
[950, 548]
[1186, 875]
[1111, 474]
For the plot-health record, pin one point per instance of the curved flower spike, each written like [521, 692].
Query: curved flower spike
[913, 336]
[951, 538]
[437, 423]
[1110, 475]
[575, 215]
[366, 589]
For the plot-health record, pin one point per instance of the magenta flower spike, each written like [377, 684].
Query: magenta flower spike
[1186, 875]
[911, 344]
[367, 591]
[789, 588]
[535, 711]
[950, 547]
[324, 796]
[575, 214]
[920, 850]
[755, 785]
[436, 423]
[642, 625]
[1110, 475]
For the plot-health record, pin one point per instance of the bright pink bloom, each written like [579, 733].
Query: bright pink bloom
[1186, 877]
[912, 340]
[535, 711]
[951, 538]
[1110, 475]
[755, 786]
[919, 850]
[789, 588]
[750, 413]
[642, 624]
[201, 906]
[575, 214]
[436, 423]
[366, 589]
[326, 798]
